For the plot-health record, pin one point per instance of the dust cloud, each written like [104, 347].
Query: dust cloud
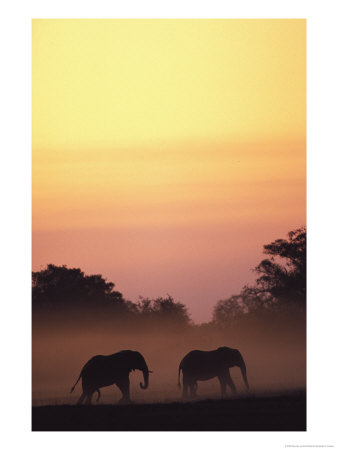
[274, 352]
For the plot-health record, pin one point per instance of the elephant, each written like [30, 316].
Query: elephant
[102, 371]
[204, 365]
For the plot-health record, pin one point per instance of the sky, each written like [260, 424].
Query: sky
[166, 153]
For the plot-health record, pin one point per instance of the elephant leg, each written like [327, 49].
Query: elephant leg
[223, 383]
[82, 397]
[124, 386]
[230, 382]
[186, 384]
[89, 398]
[185, 391]
[193, 389]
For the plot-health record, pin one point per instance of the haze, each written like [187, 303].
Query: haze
[275, 357]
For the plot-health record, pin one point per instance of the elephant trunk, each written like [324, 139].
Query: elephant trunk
[146, 378]
[242, 366]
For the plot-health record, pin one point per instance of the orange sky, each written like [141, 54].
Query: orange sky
[167, 152]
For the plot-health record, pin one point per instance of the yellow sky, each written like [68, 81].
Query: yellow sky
[111, 83]
[167, 123]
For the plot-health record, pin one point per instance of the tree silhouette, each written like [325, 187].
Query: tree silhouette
[163, 309]
[229, 310]
[283, 276]
[59, 288]
[281, 284]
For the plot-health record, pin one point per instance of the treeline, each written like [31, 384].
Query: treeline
[280, 288]
[68, 295]
[59, 292]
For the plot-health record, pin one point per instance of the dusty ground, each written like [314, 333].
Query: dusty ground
[282, 412]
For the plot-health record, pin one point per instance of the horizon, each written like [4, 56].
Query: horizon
[140, 297]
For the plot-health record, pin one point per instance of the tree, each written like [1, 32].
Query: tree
[229, 310]
[163, 310]
[282, 277]
[58, 288]
[281, 284]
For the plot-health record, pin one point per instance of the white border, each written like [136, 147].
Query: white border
[16, 230]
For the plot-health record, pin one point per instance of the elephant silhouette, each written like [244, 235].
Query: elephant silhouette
[102, 371]
[203, 365]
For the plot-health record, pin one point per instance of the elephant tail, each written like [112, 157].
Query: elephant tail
[179, 372]
[98, 394]
[72, 389]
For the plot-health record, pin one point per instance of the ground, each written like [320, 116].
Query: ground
[283, 412]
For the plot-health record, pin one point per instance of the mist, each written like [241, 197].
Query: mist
[274, 351]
